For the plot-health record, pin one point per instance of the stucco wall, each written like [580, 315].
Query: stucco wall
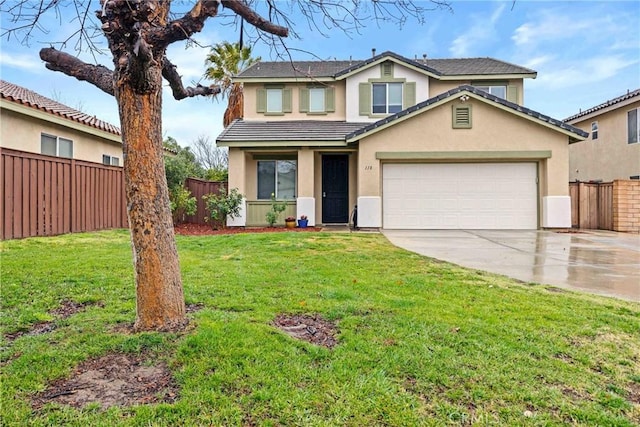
[21, 132]
[610, 156]
[250, 113]
[493, 130]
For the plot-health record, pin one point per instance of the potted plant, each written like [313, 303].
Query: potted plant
[290, 222]
[303, 221]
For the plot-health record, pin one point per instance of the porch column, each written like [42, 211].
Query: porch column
[237, 179]
[306, 203]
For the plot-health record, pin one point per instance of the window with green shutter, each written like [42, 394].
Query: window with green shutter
[274, 99]
[317, 100]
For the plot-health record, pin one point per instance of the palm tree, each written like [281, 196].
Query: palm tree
[225, 61]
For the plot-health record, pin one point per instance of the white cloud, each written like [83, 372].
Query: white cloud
[538, 61]
[592, 70]
[482, 30]
[25, 62]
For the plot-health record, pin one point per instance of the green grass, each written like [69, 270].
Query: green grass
[421, 342]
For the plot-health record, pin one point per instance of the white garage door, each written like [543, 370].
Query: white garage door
[460, 196]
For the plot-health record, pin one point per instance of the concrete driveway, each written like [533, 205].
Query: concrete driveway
[600, 262]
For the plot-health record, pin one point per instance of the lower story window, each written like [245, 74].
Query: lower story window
[56, 146]
[276, 177]
[110, 160]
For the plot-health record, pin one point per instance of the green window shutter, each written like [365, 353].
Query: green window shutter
[461, 116]
[329, 100]
[512, 94]
[304, 100]
[261, 100]
[365, 99]
[409, 95]
[286, 100]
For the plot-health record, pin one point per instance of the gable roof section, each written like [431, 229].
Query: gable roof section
[610, 103]
[31, 99]
[438, 68]
[256, 133]
[573, 132]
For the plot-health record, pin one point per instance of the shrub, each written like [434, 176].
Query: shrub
[222, 205]
[276, 209]
[182, 204]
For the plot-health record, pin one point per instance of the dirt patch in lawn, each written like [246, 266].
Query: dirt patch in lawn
[67, 309]
[112, 380]
[311, 328]
[206, 230]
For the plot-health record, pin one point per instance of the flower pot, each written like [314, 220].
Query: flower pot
[290, 224]
[302, 223]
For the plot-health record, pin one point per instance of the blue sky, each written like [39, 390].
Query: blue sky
[585, 52]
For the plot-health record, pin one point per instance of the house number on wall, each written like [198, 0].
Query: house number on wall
[368, 168]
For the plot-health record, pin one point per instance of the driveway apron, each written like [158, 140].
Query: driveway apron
[599, 262]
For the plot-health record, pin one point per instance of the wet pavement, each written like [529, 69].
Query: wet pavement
[599, 262]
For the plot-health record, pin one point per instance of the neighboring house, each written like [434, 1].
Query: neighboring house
[415, 144]
[613, 148]
[33, 123]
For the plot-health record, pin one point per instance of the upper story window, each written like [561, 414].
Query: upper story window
[594, 130]
[110, 160]
[317, 100]
[273, 99]
[499, 90]
[633, 126]
[56, 146]
[277, 177]
[386, 97]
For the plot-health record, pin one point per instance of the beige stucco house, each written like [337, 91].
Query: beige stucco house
[33, 123]
[415, 144]
[612, 150]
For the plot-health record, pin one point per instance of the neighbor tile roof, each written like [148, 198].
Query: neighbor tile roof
[441, 67]
[516, 107]
[609, 103]
[29, 98]
[300, 130]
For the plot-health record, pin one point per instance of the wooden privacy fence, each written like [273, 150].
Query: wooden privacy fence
[591, 205]
[606, 206]
[44, 195]
[199, 188]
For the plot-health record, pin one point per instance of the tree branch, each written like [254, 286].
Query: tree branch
[179, 91]
[98, 75]
[193, 22]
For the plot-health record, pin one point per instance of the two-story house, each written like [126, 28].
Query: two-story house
[612, 150]
[415, 144]
[37, 124]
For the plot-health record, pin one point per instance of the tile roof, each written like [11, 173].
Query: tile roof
[299, 130]
[609, 103]
[516, 107]
[440, 67]
[29, 98]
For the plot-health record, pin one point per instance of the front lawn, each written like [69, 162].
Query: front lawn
[420, 342]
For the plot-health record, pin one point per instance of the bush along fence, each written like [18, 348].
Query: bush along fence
[606, 206]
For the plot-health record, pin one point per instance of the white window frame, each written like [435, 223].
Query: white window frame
[386, 99]
[320, 94]
[58, 139]
[594, 130]
[630, 138]
[110, 160]
[276, 191]
[275, 95]
[491, 88]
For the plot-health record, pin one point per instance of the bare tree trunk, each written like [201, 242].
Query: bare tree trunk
[160, 299]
